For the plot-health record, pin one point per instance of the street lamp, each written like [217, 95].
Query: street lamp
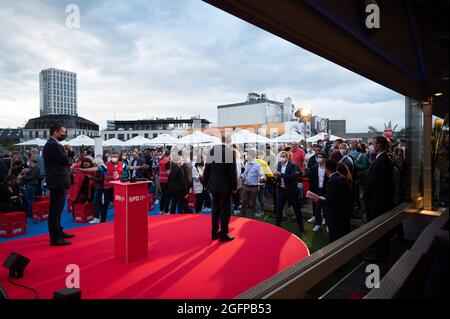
[304, 116]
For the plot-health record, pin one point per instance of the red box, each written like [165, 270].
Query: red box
[151, 202]
[12, 224]
[131, 205]
[40, 210]
[83, 213]
[43, 198]
[191, 200]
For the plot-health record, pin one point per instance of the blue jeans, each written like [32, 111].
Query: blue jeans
[30, 194]
[98, 202]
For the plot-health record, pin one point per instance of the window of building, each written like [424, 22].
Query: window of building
[121, 137]
[45, 134]
[30, 134]
[146, 135]
[36, 134]
[155, 135]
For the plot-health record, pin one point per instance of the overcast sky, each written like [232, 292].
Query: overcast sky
[138, 58]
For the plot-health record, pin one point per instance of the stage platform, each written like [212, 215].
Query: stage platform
[183, 263]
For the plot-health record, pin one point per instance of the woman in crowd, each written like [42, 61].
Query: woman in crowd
[199, 190]
[10, 197]
[17, 165]
[125, 159]
[99, 186]
[30, 182]
[177, 184]
[342, 168]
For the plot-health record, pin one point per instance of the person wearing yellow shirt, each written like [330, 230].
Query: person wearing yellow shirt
[262, 184]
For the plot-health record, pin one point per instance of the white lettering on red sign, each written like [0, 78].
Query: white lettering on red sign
[119, 198]
[137, 198]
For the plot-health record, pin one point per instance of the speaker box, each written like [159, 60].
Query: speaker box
[16, 264]
[68, 293]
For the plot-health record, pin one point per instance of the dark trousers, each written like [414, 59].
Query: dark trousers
[39, 187]
[338, 229]
[207, 200]
[248, 200]
[177, 203]
[199, 200]
[317, 207]
[98, 202]
[236, 199]
[292, 198]
[57, 201]
[221, 213]
[29, 195]
[108, 197]
[165, 198]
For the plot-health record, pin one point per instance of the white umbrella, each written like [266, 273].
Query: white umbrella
[164, 139]
[36, 141]
[137, 141]
[245, 136]
[113, 142]
[322, 136]
[198, 137]
[82, 140]
[288, 138]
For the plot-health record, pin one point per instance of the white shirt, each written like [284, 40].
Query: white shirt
[321, 176]
[283, 170]
[379, 155]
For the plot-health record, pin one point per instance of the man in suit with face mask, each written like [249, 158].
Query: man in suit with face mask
[57, 160]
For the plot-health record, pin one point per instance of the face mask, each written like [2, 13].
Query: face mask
[114, 160]
[319, 160]
[343, 152]
[371, 149]
[124, 157]
[62, 137]
[283, 160]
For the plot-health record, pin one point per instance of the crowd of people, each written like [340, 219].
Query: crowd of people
[345, 179]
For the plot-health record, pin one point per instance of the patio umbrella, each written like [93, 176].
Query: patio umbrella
[245, 136]
[36, 141]
[198, 137]
[137, 141]
[113, 142]
[81, 140]
[288, 138]
[164, 139]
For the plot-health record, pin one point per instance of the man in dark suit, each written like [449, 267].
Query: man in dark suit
[58, 160]
[286, 175]
[220, 178]
[318, 180]
[378, 192]
[339, 202]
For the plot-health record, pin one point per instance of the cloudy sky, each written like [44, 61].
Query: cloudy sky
[138, 58]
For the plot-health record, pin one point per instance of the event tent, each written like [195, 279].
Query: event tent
[245, 136]
[34, 142]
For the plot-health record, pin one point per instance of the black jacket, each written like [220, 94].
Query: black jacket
[220, 174]
[290, 177]
[32, 177]
[177, 180]
[311, 162]
[338, 200]
[379, 186]
[313, 178]
[57, 165]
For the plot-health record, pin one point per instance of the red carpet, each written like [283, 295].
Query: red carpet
[183, 262]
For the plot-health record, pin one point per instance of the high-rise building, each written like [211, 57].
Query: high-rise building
[58, 92]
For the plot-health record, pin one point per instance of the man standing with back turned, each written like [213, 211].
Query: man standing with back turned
[220, 178]
[58, 160]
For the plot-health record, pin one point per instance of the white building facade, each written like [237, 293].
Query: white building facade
[257, 110]
[58, 92]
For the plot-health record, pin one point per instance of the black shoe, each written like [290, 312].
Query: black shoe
[60, 242]
[226, 238]
[66, 236]
[215, 236]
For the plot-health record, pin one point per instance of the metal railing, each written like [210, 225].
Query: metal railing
[412, 262]
[297, 280]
